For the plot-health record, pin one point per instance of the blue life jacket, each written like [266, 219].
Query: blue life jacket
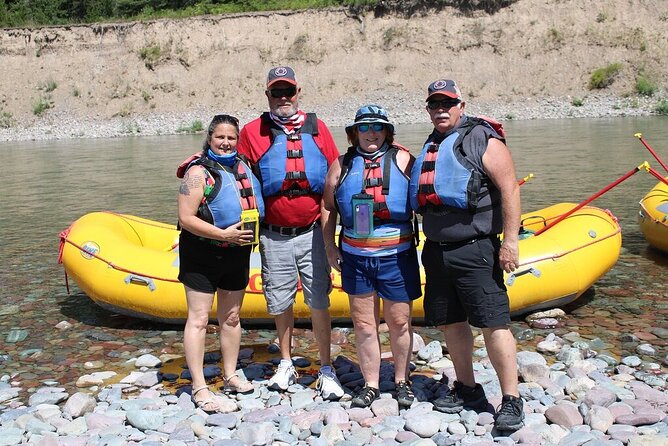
[375, 177]
[293, 165]
[229, 191]
[443, 178]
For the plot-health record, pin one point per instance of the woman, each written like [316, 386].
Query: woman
[214, 251]
[368, 187]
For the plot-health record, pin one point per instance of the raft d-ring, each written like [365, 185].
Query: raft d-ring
[134, 278]
[512, 276]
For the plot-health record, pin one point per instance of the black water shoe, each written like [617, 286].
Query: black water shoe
[462, 397]
[510, 417]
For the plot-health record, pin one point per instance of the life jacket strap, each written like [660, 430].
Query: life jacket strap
[294, 192]
[426, 189]
[428, 166]
[246, 192]
[295, 175]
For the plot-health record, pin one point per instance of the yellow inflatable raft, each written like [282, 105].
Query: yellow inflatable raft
[129, 264]
[653, 216]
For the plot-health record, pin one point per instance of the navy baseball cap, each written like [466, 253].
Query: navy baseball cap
[277, 74]
[444, 87]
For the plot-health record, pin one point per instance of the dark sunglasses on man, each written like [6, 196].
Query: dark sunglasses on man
[286, 92]
[442, 103]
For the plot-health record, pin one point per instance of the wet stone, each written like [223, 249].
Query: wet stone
[660, 332]
[631, 361]
[99, 336]
[645, 349]
[525, 335]
[16, 335]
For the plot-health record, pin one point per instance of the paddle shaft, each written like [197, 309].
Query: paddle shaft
[654, 154]
[658, 176]
[592, 198]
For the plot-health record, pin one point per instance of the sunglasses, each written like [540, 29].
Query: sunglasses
[365, 127]
[443, 103]
[287, 92]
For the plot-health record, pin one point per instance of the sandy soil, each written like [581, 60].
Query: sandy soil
[528, 56]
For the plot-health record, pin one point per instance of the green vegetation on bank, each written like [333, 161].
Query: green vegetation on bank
[662, 107]
[603, 77]
[59, 12]
[17, 13]
[195, 127]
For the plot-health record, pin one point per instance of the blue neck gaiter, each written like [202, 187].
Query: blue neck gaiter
[226, 160]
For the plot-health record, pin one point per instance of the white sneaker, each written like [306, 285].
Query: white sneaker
[328, 384]
[284, 377]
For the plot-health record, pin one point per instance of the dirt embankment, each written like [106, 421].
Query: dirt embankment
[529, 51]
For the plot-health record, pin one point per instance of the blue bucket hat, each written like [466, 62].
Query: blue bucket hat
[371, 114]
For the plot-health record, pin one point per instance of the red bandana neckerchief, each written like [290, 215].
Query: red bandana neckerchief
[291, 124]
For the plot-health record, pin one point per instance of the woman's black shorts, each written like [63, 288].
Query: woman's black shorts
[204, 267]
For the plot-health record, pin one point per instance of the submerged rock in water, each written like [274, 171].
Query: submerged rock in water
[16, 335]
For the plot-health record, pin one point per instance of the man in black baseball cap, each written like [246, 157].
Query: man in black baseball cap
[464, 184]
[292, 151]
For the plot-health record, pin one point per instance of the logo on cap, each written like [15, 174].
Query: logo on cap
[280, 71]
[439, 85]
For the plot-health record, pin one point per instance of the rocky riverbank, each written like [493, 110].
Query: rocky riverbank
[403, 109]
[161, 76]
[574, 395]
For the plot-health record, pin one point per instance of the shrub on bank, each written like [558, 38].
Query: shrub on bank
[603, 77]
[645, 87]
[662, 107]
[42, 104]
[195, 127]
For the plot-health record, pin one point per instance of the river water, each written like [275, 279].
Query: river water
[49, 184]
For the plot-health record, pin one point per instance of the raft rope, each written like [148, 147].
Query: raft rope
[593, 242]
[63, 239]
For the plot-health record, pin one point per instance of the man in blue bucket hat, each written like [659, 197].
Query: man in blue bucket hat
[464, 184]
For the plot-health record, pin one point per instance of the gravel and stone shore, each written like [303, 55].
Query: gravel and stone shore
[573, 395]
[403, 109]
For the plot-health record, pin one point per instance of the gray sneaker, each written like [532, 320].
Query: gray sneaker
[510, 416]
[328, 384]
[284, 377]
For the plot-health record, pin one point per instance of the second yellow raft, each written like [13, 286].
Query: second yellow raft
[653, 217]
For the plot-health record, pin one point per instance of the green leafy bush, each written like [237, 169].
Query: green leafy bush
[645, 87]
[48, 86]
[604, 77]
[6, 120]
[41, 105]
[662, 107]
[195, 127]
[577, 102]
[150, 55]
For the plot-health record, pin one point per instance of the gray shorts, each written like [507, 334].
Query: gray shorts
[286, 259]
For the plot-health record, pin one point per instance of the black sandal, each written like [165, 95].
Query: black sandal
[365, 397]
[405, 396]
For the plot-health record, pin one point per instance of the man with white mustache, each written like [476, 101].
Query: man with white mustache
[464, 184]
[291, 151]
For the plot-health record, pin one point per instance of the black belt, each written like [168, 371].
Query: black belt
[459, 244]
[289, 231]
